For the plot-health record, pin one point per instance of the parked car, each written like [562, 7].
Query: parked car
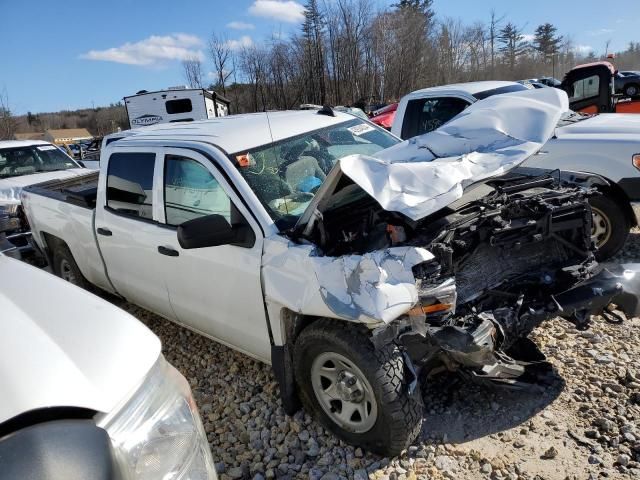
[86, 392]
[22, 163]
[351, 262]
[606, 145]
[384, 116]
[591, 86]
[627, 83]
[547, 81]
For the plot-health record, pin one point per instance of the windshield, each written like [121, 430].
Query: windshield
[285, 175]
[570, 117]
[15, 162]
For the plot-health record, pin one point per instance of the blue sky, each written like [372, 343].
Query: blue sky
[71, 54]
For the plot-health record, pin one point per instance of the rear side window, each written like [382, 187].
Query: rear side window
[182, 105]
[426, 114]
[130, 184]
[586, 88]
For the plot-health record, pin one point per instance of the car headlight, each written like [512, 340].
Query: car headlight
[9, 218]
[157, 433]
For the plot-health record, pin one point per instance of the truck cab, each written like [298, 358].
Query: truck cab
[591, 89]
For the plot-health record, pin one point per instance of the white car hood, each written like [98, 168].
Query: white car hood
[10, 188]
[424, 174]
[605, 123]
[65, 347]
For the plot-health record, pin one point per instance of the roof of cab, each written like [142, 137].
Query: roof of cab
[470, 88]
[21, 143]
[237, 133]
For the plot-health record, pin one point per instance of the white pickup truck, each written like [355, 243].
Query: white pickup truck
[607, 145]
[317, 242]
[86, 392]
[23, 163]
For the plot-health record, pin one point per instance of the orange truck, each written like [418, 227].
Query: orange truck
[591, 90]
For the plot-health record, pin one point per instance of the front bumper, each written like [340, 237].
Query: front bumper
[479, 352]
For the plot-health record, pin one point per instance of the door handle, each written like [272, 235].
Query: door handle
[104, 231]
[169, 252]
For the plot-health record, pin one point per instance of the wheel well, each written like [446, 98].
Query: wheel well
[51, 243]
[617, 194]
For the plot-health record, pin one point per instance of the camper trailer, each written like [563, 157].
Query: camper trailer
[176, 104]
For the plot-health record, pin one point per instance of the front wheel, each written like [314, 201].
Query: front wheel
[609, 226]
[355, 390]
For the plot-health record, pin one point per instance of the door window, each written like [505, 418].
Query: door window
[426, 114]
[130, 184]
[586, 88]
[191, 191]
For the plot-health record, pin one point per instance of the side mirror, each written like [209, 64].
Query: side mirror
[212, 231]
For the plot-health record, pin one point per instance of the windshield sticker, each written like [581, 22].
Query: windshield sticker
[361, 129]
[44, 148]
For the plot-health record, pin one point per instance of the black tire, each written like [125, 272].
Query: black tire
[614, 214]
[66, 267]
[632, 90]
[399, 414]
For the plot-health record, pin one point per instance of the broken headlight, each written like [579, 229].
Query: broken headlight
[157, 433]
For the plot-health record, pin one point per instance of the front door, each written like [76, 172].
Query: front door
[214, 290]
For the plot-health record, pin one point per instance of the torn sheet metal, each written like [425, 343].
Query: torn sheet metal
[422, 175]
[371, 288]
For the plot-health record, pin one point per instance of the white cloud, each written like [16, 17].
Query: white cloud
[582, 49]
[528, 37]
[284, 10]
[243, 42]
[241, 25]
[151, 51]
[601, 31]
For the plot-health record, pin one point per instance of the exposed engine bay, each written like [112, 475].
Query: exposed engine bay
[513, 252]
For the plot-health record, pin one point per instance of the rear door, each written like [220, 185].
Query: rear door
[214, 290]
[127, 227]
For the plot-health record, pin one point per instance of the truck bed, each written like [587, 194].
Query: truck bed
[80, 191]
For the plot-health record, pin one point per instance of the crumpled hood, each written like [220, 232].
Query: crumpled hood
[424, 174]
[10, 188]
[605, 123]
[67, 348]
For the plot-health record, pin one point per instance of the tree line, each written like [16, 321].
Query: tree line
[348, 52]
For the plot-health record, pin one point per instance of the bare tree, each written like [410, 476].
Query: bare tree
[7, 121]
[192, 69]
[222, 57]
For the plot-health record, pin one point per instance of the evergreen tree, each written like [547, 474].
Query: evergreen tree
[422, 6]
[546, 41]
[313, 33]
[512, 45]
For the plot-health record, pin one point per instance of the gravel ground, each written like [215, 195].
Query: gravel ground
[583, 423]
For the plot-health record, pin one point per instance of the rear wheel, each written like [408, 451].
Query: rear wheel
[355, 390]
[66, 267]
[632, 90]
[609, 226]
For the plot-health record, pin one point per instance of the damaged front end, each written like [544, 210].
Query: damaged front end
[439, 246]
[503, 264]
